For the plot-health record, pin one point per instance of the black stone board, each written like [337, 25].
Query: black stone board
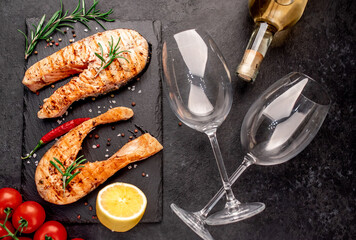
[145, 91]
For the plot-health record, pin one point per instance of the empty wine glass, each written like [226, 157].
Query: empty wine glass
[278, 126]
[200, 94]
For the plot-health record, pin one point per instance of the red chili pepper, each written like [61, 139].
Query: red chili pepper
[57, 132]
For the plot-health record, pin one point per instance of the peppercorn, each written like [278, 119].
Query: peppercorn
[90, 208]
[113, 127]
[74, 35]
[97, 145]
[85, 203]
[73, 31]
[131, 137]
[65, 31]
[96, 136]
[36, 52]
[133, 104]
[93, 98]
[122, 134]
[90, 135]
[57, 44]
[37, 93]
[179, 124]
[136, 131]
[108, 144]
[78, 216]
[143, 174]
[109, 139]
[52, 86]
[112, 95]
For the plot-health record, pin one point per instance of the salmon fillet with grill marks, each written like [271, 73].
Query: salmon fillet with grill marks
[47, 177]
[79, 57]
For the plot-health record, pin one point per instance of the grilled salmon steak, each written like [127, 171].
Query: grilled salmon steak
[80, 57]
[67, 147]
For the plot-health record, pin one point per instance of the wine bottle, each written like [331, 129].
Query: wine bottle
[270, 16]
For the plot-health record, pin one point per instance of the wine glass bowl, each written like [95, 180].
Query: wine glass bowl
[197, 79]
[283, 120]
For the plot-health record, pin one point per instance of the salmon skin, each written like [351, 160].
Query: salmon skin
[67, 147]
[80, 57]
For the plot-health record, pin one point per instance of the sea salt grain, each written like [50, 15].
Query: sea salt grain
[107, 150]
[28, 162]
[106, 155]
[98, 106]
[129, 88]
[146, 175]
[135, 165]
[96, 28]
[139, 91]
[90, 110]
[34, 155]
[99, 111]
[59, 121]
[85, 30]
[119, 135]
[94, 146]
[129, 167]
[113, 101]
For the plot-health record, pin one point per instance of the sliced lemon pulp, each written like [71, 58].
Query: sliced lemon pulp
[120, 206]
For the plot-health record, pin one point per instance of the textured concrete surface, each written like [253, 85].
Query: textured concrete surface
[310, 197]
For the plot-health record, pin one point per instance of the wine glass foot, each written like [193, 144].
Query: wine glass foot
[192, 220]
[235, 214]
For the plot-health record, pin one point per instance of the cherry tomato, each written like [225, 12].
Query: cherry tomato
[3, 232]
[9, 197]
[24, 238]
[31, 212]
[52, 229]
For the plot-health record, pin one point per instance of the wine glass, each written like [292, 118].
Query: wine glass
[200, 94]
[278, 126]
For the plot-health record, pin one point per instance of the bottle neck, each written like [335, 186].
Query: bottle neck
[256, 49]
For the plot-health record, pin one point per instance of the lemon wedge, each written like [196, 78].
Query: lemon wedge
[120, 206]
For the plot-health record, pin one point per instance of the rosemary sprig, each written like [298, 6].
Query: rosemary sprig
[64, 19]
[67, 174]
[113, 54]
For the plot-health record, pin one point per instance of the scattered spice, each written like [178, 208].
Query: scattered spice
[52, 86]
[143, 174]
[41, 106]
[78, 216]
[179, 124]
[90, 135]
[65, 31]
[86, 203]
[96, 136]
[136, 131]
[36, 52]
[57, 44]
[109, 139]
[112, 95]
[93, 98]
[122, 134]
[131, 137]
[52, 41]
[138, 79]
[90, 208]
[108, 144]
[74, 35]
[98, 145]
[133, 104]
[113, 127]
[73, 31]
[94, 217]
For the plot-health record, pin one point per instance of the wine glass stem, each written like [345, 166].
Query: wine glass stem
[244, 165]
[221, 166]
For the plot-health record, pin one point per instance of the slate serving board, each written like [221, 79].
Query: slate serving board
[145, 92]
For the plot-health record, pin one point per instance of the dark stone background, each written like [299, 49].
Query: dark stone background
[310, 197]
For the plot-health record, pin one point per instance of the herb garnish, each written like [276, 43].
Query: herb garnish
[67, 174]
[113, 54]
[60, 19]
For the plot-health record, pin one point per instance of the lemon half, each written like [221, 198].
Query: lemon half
[120, 206]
